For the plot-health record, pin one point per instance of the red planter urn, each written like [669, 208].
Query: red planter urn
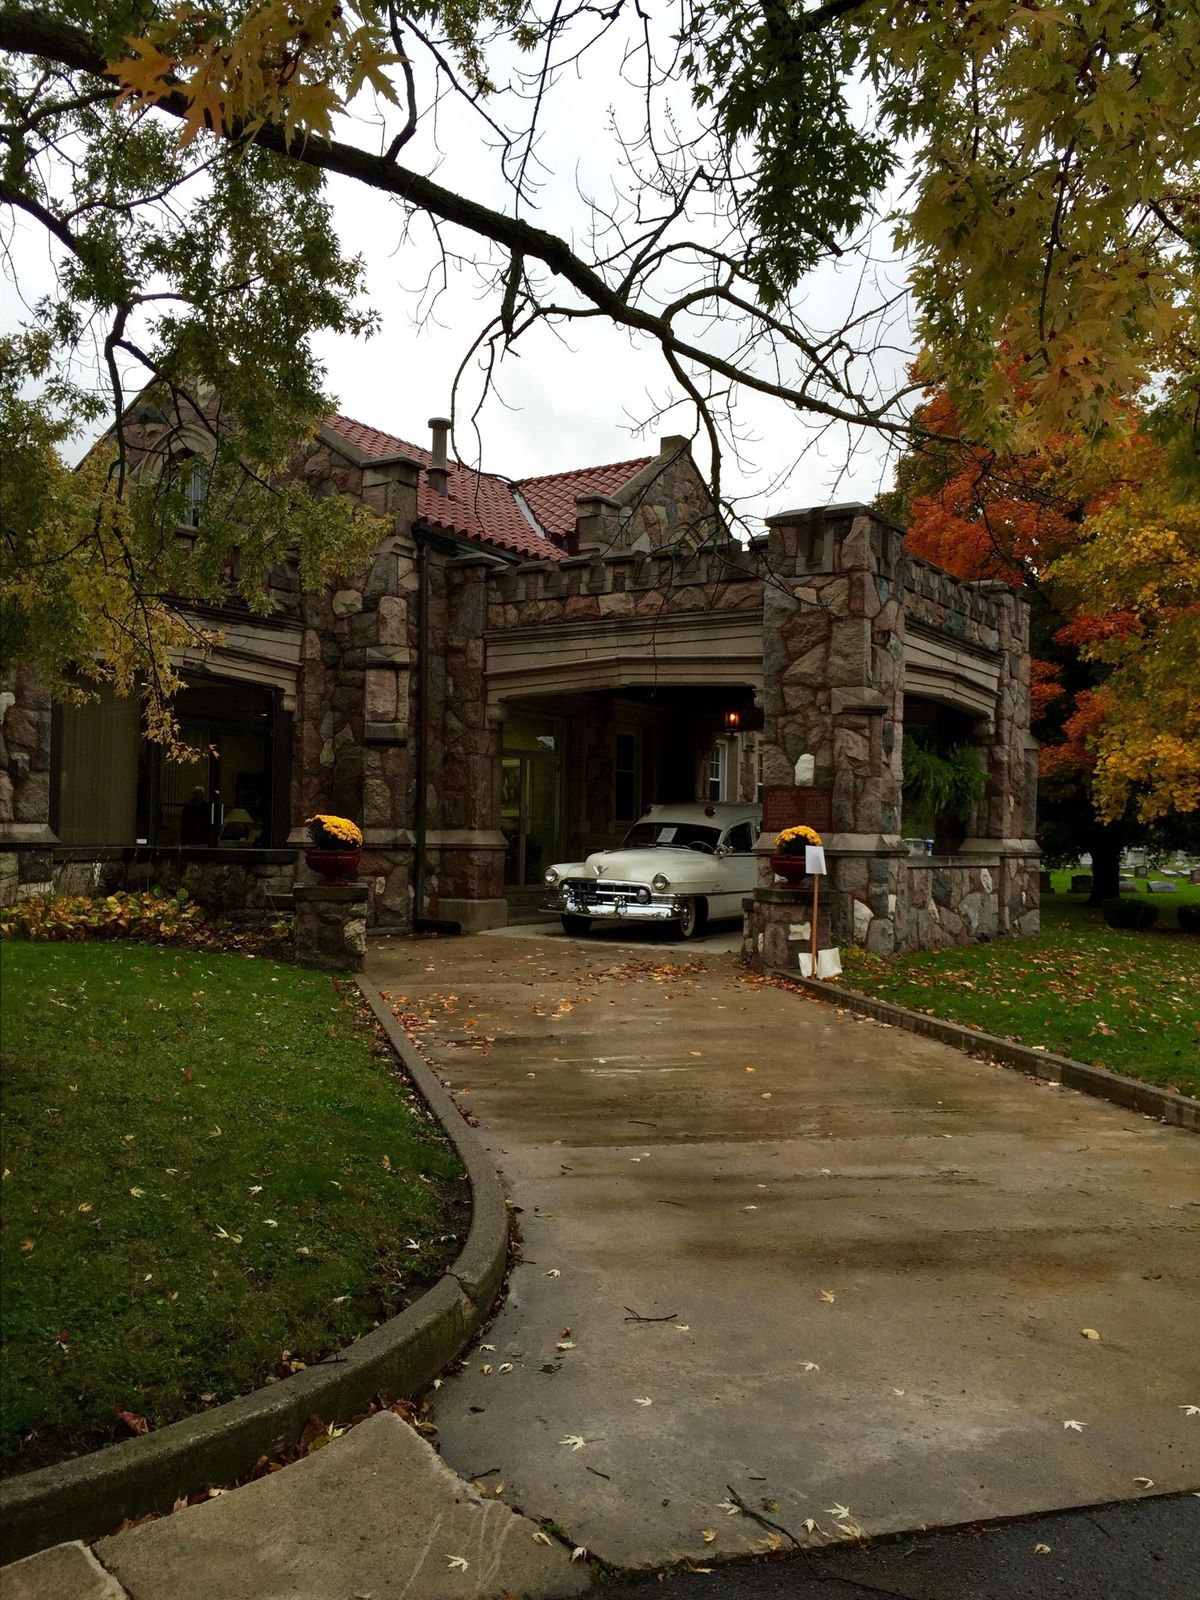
[334, 866]
[792, 869]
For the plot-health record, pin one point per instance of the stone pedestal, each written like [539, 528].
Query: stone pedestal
[777, 924]
[330, 929]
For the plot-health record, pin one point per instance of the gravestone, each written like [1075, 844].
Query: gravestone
[1160, 886]
[1081, 883]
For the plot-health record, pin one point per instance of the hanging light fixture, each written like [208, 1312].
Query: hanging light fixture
[733, 720]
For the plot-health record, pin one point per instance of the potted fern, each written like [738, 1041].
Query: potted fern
[940, 791]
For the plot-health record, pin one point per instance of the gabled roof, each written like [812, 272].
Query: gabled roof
[552, 497]
[483, 507]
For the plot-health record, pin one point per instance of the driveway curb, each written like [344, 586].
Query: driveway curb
[1179, 1110]
[90, 1495]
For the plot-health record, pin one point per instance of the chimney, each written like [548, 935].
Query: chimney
[674, 444]
[438, 474]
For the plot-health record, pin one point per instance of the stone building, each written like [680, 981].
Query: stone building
[522, 668]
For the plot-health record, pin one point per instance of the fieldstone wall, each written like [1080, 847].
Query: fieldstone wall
[667, 503]
[842, 594]
[352, 753]
[330, 928]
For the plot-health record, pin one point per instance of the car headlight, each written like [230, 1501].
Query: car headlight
[658, 883]
[551, 875]
[643, 896]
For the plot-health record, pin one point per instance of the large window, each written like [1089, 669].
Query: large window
[114, 788]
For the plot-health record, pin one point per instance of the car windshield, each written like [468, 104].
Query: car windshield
[676, 835]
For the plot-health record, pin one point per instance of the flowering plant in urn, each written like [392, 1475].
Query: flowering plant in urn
[336, 842]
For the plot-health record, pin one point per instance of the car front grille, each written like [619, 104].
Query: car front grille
[599, 892]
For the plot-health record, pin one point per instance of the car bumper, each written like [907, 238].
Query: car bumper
[616, 908]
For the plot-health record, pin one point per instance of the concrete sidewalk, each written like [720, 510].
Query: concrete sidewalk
[873, 1258]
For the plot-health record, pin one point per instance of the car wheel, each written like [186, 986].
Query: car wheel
[576, 925]
[693, 918]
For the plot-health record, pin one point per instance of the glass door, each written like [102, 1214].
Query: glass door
[530, 797]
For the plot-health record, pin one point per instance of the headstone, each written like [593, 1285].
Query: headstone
[1159, 886]
[1081, 883]
[1194, 875]
[1045, 883]
[1128, 883]
[1141, 870]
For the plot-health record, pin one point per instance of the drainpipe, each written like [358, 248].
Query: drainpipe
[439, 482]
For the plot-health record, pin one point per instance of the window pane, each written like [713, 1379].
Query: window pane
[97, 771]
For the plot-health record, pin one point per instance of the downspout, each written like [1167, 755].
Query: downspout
[438, 472]
[421, 811]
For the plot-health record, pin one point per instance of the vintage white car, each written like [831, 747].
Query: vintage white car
[684, 864]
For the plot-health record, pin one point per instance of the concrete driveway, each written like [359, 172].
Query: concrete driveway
[777, 1255]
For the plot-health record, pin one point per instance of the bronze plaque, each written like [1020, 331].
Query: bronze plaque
[787, 805]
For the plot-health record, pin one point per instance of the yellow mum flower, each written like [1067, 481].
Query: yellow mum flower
[793, 840]
[329, 832]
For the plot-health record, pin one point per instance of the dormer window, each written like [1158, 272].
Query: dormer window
[195, 490]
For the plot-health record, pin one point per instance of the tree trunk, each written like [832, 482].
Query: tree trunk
[1106, 866]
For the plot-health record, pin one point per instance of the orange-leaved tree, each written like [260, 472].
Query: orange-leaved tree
[1110, 677]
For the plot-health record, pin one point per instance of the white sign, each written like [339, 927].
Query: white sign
[814, 860]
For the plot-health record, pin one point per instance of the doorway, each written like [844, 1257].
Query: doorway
[530, 796]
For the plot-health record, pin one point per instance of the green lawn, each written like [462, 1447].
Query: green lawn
[209, 1161]
[1120, 1000]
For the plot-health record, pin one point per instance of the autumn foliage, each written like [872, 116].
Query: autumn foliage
[1116, 559]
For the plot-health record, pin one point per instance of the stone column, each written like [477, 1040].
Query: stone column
[26, 837]
[833, 647]
[1006, 820]
[330, 927]
[353, 736]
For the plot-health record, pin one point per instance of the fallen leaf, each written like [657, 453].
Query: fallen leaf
[708, 1535]
[542, 1538]
[828, 1296]
[579, 1553]
[683, 1327]
[809, 1366]
[1076, 1427]
[506, 1366]
[565, 1344]
[810, 1526]
[730, 1508]
[458, 1563]
[553, 1273]
[1041, 1549]
[573, 1441]
[1188, 1411]
[774, 1542]
[486, 1370]
[26, 1245]
[642, 1400]
[840, 1512]
[134, 1422]
[1089, 1333]
[137, 1193]
[1144, 1483]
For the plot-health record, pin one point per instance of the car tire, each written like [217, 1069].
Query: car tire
[693, 918]
[576, 925]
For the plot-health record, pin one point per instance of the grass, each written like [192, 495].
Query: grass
[1126, 1001]
[212, 1171]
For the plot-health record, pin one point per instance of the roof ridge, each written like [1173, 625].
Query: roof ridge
[574, 472]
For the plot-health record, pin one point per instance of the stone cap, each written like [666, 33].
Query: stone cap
[348, 893]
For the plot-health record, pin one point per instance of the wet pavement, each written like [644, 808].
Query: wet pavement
[786, 1259]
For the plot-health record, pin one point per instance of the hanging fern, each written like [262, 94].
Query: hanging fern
[941, 786]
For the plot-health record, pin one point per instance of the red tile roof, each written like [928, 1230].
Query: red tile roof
[481, 506]
[552, 498]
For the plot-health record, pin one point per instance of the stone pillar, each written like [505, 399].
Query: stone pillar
[330, 928]
[353, 734]
[26, 837]
[833, 645]
[777, 928]
[1007, 817]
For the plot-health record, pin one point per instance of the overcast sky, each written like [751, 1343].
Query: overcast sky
[563, 401]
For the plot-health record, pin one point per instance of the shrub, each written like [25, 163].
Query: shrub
[153, 916]
[1136, 915]
[1189, 918]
